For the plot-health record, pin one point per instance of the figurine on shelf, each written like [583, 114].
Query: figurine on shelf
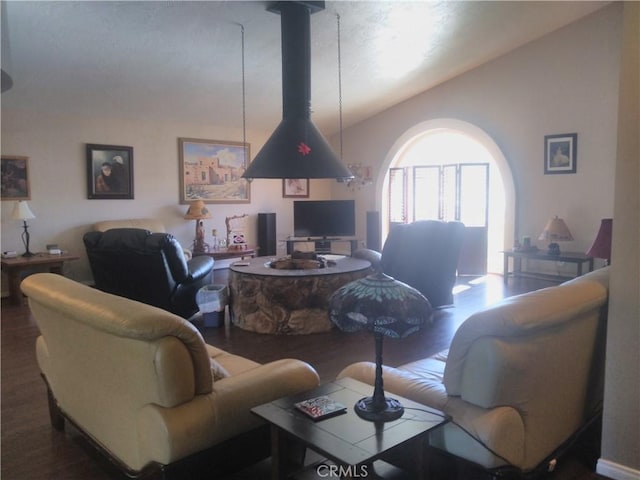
[214, 241]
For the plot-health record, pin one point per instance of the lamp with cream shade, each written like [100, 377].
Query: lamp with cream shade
[198, 211]
[21, 211]
[555, 231]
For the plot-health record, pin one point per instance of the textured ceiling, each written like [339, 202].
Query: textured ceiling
[181, 61]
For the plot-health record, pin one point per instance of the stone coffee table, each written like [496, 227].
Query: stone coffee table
[290, 302]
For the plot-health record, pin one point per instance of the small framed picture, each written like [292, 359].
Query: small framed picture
[15, 178]
[295, 187]
[109, 172]
[560, 153]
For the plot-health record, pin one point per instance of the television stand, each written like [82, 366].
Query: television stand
[321, 245]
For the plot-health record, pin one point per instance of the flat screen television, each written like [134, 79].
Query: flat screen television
[324, 218]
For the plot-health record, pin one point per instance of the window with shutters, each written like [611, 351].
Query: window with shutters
[439, 192]
[448, 169]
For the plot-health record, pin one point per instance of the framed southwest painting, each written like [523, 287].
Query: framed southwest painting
[211, 171]
[560, 153]
[109, 172]
[15, 178]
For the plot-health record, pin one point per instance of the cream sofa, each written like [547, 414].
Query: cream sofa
[151, 224]
[520, 378]
[143, 386]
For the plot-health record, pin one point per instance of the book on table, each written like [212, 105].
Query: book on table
[321, 407]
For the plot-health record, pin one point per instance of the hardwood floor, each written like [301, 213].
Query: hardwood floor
[31, 449]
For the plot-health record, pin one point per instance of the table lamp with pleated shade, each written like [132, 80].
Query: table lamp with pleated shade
[21, 211]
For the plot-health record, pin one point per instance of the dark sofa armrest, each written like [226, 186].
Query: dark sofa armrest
[374, 257]
[199, 267]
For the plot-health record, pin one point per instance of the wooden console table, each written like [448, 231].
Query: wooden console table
[13, 267]
[568, 257]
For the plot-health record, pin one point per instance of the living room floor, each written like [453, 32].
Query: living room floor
[31, 449]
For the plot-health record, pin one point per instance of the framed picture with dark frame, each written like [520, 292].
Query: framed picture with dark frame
[109, 172]
[211, 171]
[560, 153]
[295, 187]
[15, 178]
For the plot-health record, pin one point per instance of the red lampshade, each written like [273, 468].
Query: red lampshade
[601, 247]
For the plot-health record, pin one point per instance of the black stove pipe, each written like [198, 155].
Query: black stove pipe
[296, 149]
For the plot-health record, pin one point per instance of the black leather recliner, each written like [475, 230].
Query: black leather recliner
[147, 267]
[423, 254]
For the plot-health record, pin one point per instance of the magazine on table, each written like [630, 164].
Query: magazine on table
[321, 407]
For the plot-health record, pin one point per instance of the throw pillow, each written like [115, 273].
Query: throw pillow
[218, 371]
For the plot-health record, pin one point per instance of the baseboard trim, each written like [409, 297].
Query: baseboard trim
[616, 471]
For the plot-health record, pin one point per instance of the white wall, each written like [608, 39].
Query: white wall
[565, 82]
[620, 458]
[55, 145]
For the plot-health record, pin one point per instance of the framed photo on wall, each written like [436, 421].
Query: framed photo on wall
[560, 153]
[295, 187]
[211, 171]
[15, 178]
[109, 172]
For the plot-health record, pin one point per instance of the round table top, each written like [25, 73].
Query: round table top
[260, 266]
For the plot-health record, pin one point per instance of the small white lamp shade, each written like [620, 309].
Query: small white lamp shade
[21, 211]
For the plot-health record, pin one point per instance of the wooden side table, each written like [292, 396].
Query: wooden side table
[224, 253]
[348, 440]
[13, 267]
[577, 258]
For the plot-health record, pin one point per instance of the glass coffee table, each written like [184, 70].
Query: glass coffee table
[349, 442]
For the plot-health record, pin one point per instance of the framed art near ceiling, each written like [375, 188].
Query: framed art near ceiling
[295, 187]
[109, 172]
[15, 178]
[560, 153]
[211, 171]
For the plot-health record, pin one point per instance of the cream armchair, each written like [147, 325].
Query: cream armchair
[151, 224]
[519, 380]
[144, 388]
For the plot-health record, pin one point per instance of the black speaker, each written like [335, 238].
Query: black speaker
[373, 231]
[267, 243]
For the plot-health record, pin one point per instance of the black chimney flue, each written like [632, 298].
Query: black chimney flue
[296, 149]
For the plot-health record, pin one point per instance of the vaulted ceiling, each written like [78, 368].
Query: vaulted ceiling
[182, 61]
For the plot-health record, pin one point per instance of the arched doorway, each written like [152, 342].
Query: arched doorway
[451, 141]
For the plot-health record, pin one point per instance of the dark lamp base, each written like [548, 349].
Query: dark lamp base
[201, 247]
[554, 249]
[392, 410]
[28, 254]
